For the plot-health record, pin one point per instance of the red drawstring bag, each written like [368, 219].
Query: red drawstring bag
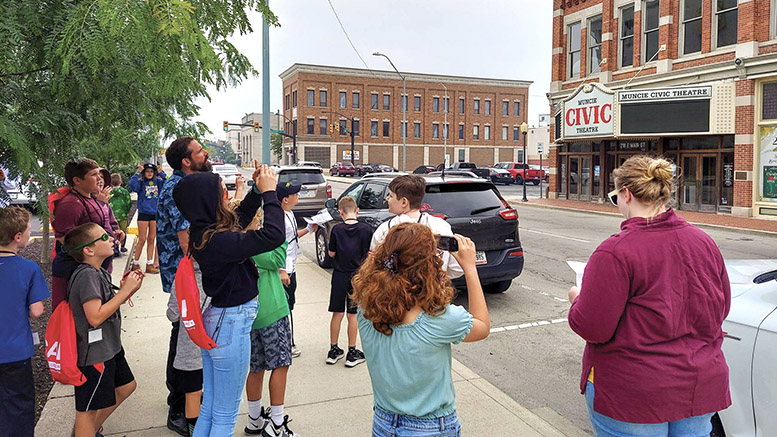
[61, 348]
[188, 296]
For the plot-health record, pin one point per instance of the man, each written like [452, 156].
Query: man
[186, 156]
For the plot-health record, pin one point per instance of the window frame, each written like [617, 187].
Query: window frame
[715, 22]
[374, 128]
[374, 102]
[571, 53]
[487, 132]
[386, 102]
[436, 130]
[681, 31]
[343, 126]
[323, 98]
[591, 47]
[643, 50]
[505, 108]
[417, 103]
[386, 129]
[311, 97]
[476, 106]
[461, 131]
[487, 107]
[355, 100]
[516, 133]
[417, 129]
[435, 104]
[475, 132]
[294, 98]
[462, 105]
[505, 132]
[517, 108]
[343, 99]
[323, 126]
[622, 39]
[311, 126]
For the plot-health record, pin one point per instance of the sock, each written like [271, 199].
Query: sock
[255, 409]
[351, 348]
[136, 261]
[277, 414]
[149, 262]
[334, 345]
[192, 422]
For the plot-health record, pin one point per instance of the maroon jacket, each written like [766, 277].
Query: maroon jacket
[651, 306]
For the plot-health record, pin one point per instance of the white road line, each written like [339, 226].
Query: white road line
[555, 235]
[527, 325]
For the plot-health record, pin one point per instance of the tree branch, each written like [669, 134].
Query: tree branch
[24, 73]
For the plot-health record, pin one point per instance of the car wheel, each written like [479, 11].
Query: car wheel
[717, 426]
[322, 256]
[537, 182]
[497, 287]
[518, 179]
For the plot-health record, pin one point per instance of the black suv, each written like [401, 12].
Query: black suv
[473, 207]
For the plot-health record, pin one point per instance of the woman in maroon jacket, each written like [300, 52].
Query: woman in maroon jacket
[650, 308]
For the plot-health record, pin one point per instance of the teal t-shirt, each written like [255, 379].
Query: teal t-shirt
[411, 369]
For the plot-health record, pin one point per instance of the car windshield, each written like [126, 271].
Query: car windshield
[225, 169]
[460, 199]
[301, 177]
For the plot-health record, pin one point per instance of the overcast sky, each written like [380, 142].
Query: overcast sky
[505, 39]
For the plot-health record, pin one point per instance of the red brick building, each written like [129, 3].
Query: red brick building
[692, 80]
[483, 116]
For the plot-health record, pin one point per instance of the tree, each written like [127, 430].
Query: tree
[222, 151]
[276, 145]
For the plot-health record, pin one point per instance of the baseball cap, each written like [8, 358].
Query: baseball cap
[286, 189]
[148, 165]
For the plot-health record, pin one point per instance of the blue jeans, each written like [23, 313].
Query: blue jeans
[696, 426]
[224, 368]
[387, 424]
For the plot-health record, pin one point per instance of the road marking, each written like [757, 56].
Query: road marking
[555, 235]
[527, 325]
[557, 299]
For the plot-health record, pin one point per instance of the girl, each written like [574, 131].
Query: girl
[147, 184]
[230, 279]
[407, 324]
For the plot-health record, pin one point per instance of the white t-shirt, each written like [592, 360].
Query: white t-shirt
[436, 224]
[293, 250]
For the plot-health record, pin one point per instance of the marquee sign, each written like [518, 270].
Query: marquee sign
[588, 112]
[665, 94]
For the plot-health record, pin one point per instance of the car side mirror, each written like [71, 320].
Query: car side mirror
[250, 182]
[331, 204]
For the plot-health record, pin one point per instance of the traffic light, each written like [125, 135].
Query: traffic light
[331, 128]
[256, 126]
[337, 127]
[226, 125]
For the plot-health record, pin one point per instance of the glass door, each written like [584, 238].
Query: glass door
[708, 201]
[574, 177]
[691, 185]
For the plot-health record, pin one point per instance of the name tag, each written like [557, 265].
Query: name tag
[35, 339]
[95, 335]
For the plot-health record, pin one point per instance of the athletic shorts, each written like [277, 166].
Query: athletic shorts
[144, 217]
[340, 295]
[98, 391]
[271, 346]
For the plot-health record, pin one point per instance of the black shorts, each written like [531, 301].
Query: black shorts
[340, 295]
[17, 399]
[290, 290]
[144, 217]
[101, 389]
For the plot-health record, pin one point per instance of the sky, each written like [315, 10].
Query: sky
[503, 39]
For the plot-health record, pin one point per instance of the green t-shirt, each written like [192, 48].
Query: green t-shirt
[120, 203]
[273, 305]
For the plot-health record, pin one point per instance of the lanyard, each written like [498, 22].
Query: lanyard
[7, 251]
[88, 209]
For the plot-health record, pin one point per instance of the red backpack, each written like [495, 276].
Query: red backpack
[188, 296]
[61, 349]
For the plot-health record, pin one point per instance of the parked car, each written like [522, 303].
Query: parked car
[19, 193]
[308, 164]
[363, 169]
[470, 166]
[424, 169]
[344, 168]
[499, 176]
[228, 173]
[315, 190]
[392, 174]
[459, 173]
[473, 207]
[750, 348]
[522, 172]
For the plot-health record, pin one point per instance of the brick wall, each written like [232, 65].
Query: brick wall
[481, 156]
[505, 154]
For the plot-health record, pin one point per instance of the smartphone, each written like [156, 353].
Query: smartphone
[447, 243]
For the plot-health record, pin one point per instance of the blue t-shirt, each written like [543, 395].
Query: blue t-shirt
[23, 285]
[169, 221]
[411, 368]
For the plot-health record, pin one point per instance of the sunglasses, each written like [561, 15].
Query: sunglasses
[103, 237]
[613, 195]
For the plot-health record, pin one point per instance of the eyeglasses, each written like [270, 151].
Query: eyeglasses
[103, 237]
[613, 195]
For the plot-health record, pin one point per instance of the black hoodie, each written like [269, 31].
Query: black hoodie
[229, 276]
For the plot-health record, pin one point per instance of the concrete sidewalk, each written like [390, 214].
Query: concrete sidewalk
[321, 399]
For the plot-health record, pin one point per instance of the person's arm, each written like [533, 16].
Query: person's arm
[96, 312]
[134, 183]
[36, 310]
[332, 244]
[183, 239]
[481, 322]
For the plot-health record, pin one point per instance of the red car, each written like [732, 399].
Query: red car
[342, 169]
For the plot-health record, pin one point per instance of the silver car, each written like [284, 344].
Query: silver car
[315, 190]
[18, 192]
[228, 173]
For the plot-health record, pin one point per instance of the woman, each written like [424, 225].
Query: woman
[146, 184]
[229, 277]
[407, 324]
[650, 308]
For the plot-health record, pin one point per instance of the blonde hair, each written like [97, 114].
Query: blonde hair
[347, 204]
[650, 180]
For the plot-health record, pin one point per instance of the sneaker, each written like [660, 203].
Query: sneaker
[279, 431]
[256, 426]
[177, 422]
[334, 355]
[151, 269]
[295, 352]
[123, 250]
[354, 358]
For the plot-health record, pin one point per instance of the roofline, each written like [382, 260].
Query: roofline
[388, 74]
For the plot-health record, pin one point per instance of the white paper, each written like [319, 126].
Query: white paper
[579, 268]
[320, 218]
[95, 335]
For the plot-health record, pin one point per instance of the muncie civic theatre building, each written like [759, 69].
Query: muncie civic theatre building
[692, 80]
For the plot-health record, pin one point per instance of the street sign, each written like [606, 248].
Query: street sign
[347, 155]
[276, 131]
[540, 147]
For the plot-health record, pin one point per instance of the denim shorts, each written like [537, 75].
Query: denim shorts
[387, 424]
[696, 426]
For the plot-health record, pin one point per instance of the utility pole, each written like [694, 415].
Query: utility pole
[266, 88]
[445, 127]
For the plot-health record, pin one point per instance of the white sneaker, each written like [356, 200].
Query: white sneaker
[279, 431]
[256, 426]
[295, 352]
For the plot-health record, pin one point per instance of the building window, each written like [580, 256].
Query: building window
[286, 129]
[445, 104]
[311, 126]
[311, 98]
[386, 128]
[504, 133]
[355, 127]
[488, 107]
[475, 132]
[445, 130]
[726, 22]
[355, 100]
[516, 133]
[461, 131]
[343, 127]
[343, 99]
[595, 44]
[286, 103]
[435, 131]
[573, 44]
[691, 34]
[517, 108]
[461, 105]
[650, 29]
[374, 104]
[486, 132]
[769, 101]
[294, 98]
[505, 108]
[476, 106]
[404, 129]
[416, 130]
[322, 97]
[417, 103]
[322, 125]
[627, 37]
[386, 102]
[435, 104]
[374, 128]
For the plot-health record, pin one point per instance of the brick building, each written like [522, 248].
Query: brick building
[249, 143]
[483, 116]
[692, 80]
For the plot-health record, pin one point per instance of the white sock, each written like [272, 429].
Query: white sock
[137, 261]
[149, 262]
[276, 412]
[255, 409]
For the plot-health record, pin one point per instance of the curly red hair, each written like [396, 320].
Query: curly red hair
[385, 297]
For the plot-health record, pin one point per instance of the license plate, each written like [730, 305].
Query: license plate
[306, 194]
[480, 258]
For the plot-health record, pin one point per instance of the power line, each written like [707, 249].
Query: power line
[349, 38]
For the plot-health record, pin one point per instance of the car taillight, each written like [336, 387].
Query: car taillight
[442, 216]
[509, 214]
[328, 191]
[515, 254]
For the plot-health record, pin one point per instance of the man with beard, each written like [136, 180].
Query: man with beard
[184, 363]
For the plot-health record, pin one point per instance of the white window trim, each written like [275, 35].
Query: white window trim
[569, 52]
[590, 69]
[772, 20]
[681, 31]
[643, 50]
[619, 49]
[714, 30]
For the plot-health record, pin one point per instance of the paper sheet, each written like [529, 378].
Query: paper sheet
[579, 268]
[319, 219]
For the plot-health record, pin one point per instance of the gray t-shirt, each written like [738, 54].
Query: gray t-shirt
[101, 343]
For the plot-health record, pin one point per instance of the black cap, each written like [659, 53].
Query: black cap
[286, 189]
[148, 165]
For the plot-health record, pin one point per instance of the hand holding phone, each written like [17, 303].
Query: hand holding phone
[465, 252]
[447, 243]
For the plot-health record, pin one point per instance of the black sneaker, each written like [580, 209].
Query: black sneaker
[177, 422]
[334, 355]
[354, 358]
[256, 426]
[279, 431]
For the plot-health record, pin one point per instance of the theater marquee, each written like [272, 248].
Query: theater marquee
[588, 113]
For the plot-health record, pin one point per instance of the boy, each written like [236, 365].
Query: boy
[348, 246]
[121, 203]
[404, 199]
[24, 287]
[109, 380]
[288, 194]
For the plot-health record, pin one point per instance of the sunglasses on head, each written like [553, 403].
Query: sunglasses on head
[103, 237]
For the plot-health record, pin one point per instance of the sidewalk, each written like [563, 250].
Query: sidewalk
[321, 399]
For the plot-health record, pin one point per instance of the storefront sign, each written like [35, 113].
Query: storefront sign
[768, 163]
[728, 174]
[347, 155]
[589, 113]
[666, 94]
[632, 145]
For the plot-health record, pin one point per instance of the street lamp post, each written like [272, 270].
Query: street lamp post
[404, 113]
[524, 130]
[445, 127]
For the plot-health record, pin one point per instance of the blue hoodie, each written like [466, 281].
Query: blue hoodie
[148, 192]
